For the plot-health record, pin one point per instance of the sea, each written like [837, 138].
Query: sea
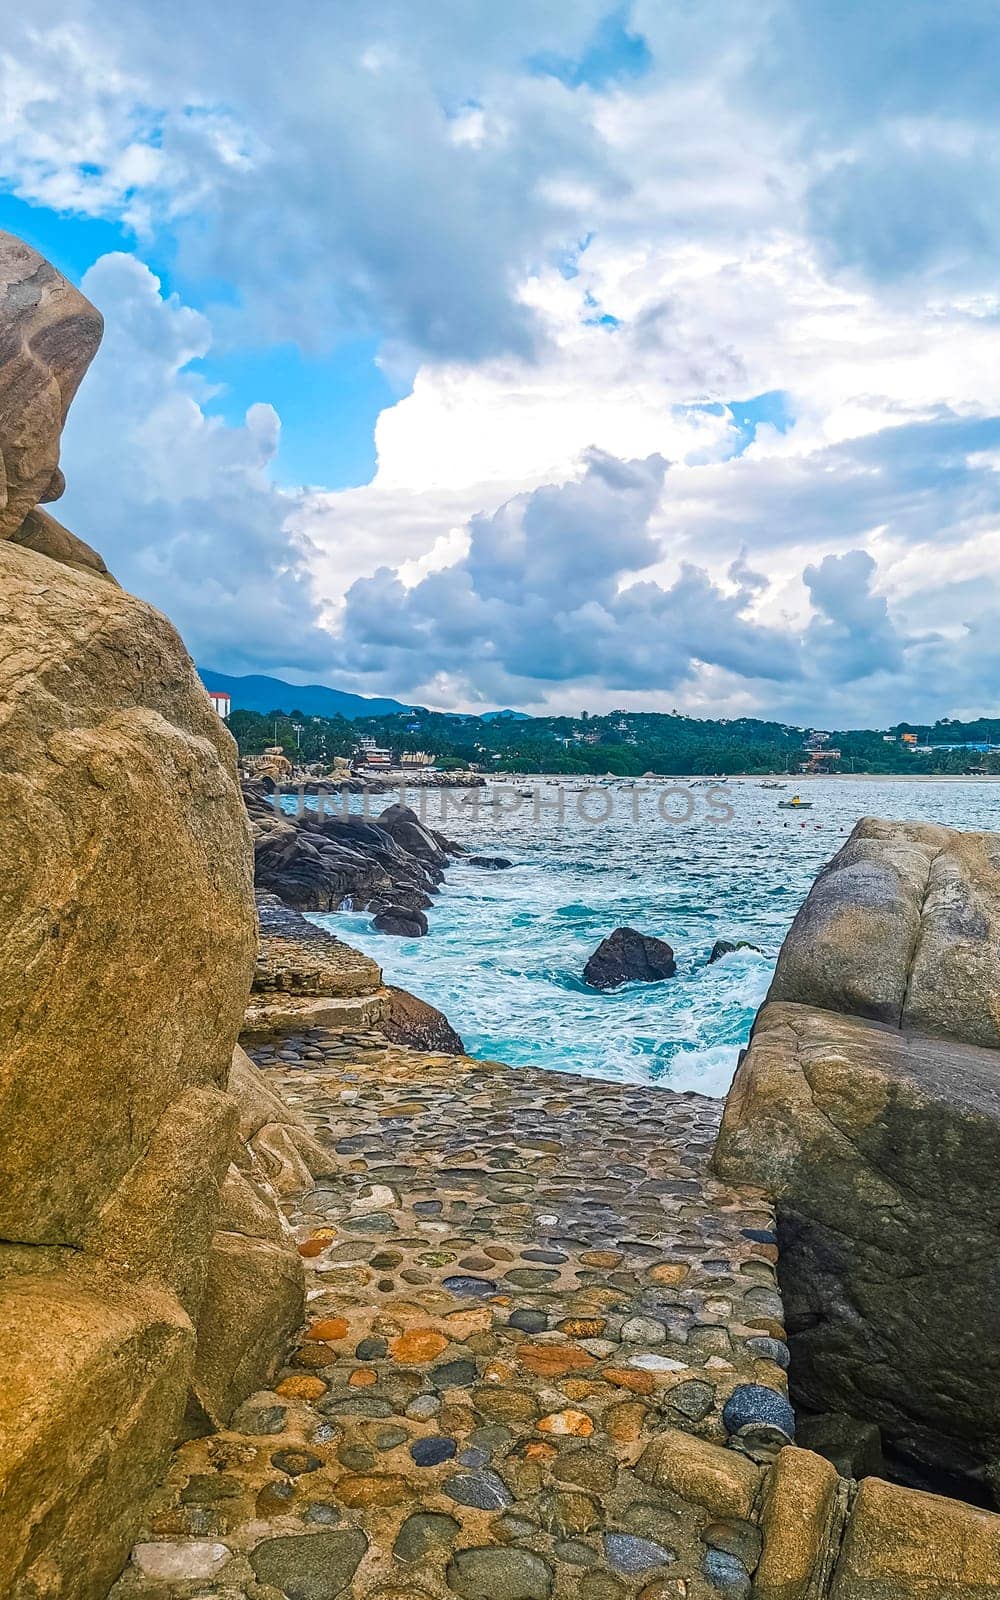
[689, 861]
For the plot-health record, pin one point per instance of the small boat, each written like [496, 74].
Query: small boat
[773, 785]
[795, 804]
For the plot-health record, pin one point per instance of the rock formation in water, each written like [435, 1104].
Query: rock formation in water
[868, 1106]
[392, 866]
[147, 1282]
[421, 1026]
[627, 956]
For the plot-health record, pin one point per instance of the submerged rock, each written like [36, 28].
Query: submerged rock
[490, 863]
[727, 947]
[405, 923]
[627, 956]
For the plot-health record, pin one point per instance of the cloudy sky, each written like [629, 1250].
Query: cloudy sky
[543, 354]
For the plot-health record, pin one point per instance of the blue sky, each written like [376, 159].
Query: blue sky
[644, 353]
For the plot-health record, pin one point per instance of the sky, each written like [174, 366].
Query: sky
[548, 355]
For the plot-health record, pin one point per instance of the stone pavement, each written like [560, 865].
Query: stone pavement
[526, 1293]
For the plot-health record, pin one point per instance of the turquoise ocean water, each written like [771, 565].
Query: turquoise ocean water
[506, 950]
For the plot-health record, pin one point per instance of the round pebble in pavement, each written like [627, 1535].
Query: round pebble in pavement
[767, 1349]
[471, 1288]
[629, 1554]
[753, 1408]
[726, 1574]
[431, 1452]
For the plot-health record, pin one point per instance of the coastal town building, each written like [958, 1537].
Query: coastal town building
[222, 703]
[371, 754]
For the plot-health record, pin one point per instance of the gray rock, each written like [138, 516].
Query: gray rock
[754, 1412]
[880, 1150]
[311, 1566]
[727, 1574]
[423, 1533]
[631, 1555]
[627, 956]
[484, 1491]
[499, 1574]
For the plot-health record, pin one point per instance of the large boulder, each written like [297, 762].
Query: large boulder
[627, 956]
[95, 1374]
[902, 927]
[48, 336]
[127, 938]
[145, 1269]
[877, 1135]
[418, 1025]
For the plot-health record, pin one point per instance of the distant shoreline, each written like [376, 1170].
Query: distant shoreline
[862, 777]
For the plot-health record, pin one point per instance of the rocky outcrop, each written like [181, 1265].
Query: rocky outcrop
[127, 941]
[392, 866]
[627, 956]
[902, 927]
[877, 1134]
[421, 1026]
[48, 335]
[48, 537]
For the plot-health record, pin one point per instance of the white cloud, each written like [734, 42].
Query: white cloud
[791, 197]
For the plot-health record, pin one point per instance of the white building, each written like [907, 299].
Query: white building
[221, 702]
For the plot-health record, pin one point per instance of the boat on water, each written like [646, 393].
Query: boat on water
[770, 784]
[795, 804]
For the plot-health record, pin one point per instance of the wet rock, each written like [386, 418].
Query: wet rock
[727, 947]
[627, 956]
[401, 921]
[413, 1022]
[489, 863]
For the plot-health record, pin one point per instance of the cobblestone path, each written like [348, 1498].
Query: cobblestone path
[518, 1282]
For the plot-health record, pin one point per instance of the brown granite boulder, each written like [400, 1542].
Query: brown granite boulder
[868, 1107]
[127, 937]
[902, 927]
[95, 1375]
[880, 1150]
[48, 537]
[134, 1282]
[48, 336]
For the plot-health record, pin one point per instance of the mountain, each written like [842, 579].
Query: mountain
[504, 716]
[258, 693]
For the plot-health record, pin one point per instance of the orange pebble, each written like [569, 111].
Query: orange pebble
[329, 1328]
[301, 1388]
[626, 1378]
[418, 1344]
[574, 1424]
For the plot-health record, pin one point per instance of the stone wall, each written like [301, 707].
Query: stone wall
[147, 1283]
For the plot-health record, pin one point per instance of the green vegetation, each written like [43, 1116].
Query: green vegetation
[625, 743]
